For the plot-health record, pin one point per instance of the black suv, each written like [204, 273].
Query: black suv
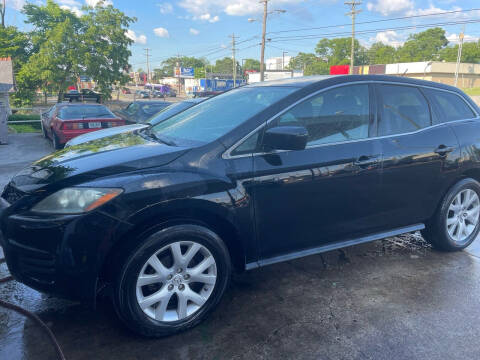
[257, 175]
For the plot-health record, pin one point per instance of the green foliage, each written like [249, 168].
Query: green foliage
[380, 53]
[14, 44]
[225, 66]
[25, 128]
[184, 61]
[199, 72]
[337, 51]
[470, 53]
[18, 117]
[251, 64]
[423, 46]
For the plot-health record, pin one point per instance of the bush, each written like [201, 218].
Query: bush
[20, 117]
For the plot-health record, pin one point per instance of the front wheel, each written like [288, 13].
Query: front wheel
[456, 223]
[172, 280]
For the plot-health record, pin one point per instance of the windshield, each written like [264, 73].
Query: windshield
[215, 117]
[84, 111]
[169, 111]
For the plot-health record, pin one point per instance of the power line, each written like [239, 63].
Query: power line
[375, 21]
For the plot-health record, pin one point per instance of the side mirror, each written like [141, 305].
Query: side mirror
[286, 138]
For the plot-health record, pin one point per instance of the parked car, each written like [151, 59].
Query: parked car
[163, 115]
[64, 121]
[126, 90]
[141, 111]
[258, 175]
[142, 94]
[83, 95]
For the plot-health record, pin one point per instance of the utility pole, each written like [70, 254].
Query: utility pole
[283, 59]
[264, 31]
[2, 12]
[461, 37]
[353, 13]
[234, 61]
[148, 63]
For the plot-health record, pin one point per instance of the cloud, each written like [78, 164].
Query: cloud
[389, 7]
[139, 39]
[73, 9]
[194, 31]
[199, 8]
[15, 4]
[94, 3]
[388, 37]
[207, 17]
[165, 8]
[453, 38]
[161, 32]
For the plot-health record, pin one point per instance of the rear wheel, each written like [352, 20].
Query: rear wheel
[172, 281]
[457, 222]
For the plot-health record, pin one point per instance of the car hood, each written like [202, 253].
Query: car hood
[106, 156]
[94, 135]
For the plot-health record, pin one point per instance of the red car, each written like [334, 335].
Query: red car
[65, 121]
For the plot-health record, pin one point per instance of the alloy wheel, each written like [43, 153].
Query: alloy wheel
[176, 281]
[463, 215]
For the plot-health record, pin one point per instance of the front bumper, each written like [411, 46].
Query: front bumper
[62, 255]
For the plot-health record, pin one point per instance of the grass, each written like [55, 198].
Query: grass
[473, 91]
[19, 117]
[25, 127]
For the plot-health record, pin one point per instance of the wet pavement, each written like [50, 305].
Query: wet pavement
[390, 299]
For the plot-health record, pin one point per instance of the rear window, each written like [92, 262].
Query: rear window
[152, 109]
[403, 109]
[452, 107]
[84, 112]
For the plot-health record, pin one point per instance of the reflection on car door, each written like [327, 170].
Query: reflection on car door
[419, 159]
[327, 192]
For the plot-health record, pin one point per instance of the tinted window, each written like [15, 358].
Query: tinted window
[451, 106]
[336, 115]
[403, 109]
[152, 109]
[84, 112]
[170, 111]
[249, 146]
[132, 108]
[215, 117]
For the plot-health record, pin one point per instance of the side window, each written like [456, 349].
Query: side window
[248, 146]
[452, 106]
[336, 115]
[403, 109]
[132, 108]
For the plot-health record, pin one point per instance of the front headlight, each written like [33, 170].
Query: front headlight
[76, 200]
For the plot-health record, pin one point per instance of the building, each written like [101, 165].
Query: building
[7, 82]
[277, 63]
[273, 75]
[437, 71]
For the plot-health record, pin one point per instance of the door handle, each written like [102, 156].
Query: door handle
[443, 150]
[367, 162]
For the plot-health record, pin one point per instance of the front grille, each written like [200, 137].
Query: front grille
[11, 194]
[33, 263]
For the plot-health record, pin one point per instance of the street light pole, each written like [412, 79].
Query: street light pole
[283, 59]
[264, 31]
[459, 54]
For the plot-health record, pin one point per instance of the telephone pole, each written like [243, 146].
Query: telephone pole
[264, 31]
[353, 13]
[461, 37]
[234, 61]
[148, 63]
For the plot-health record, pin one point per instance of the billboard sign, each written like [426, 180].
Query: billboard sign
[184, 72]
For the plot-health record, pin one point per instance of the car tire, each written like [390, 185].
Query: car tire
[44, 131]
[56, 141]
[173, 310]
[456, 223]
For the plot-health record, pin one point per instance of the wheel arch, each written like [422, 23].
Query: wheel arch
[166, 217]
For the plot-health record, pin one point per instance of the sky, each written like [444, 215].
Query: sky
[204, 27]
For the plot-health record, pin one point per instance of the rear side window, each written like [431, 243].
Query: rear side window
[403, 109]
[336, 115]
[451, 106]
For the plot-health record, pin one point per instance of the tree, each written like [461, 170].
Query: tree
[14, 44]
[66, 46]
[184, 61]
[338, 51]
[251, 64]
[2, 12]
[105, 46]
[309, 63]
[380, 53]
[423, 46]
[470, 53]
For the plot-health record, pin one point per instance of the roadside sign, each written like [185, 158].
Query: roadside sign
[184, 72]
